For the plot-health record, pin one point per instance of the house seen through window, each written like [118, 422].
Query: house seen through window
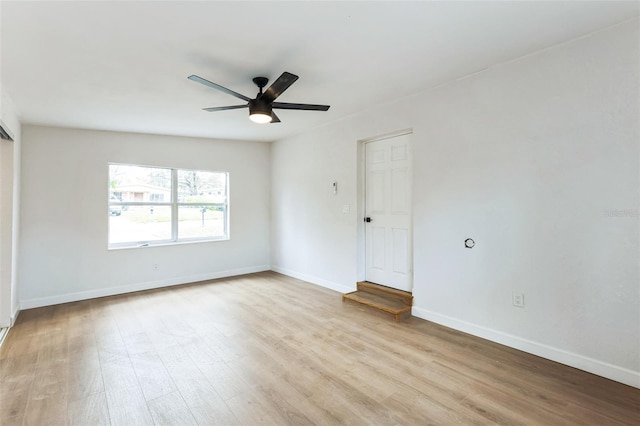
[154, 205]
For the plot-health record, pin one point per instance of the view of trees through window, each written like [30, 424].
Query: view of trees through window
[150, 205]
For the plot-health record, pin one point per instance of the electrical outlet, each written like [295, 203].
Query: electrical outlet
[155, 266]
[517, 299]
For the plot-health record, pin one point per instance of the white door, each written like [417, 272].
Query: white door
[388, 212]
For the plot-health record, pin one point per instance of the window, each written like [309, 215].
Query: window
[153, 205]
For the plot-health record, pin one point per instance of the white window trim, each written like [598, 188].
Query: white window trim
[174, 204]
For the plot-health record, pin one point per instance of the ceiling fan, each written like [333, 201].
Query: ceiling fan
[261, 108]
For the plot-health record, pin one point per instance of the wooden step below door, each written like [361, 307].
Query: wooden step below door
[386, 299]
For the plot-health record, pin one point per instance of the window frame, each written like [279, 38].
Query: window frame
[174, 205]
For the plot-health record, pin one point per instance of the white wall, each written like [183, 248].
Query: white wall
[9, 211]
[63, 253]
[537, 160]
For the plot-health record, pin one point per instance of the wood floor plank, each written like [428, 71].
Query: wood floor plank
[270, 349]
[138, 343]
[153, 377]
[281, 388]
[216, 412]
[13, 399]
[170, 410]
[50, 409]
[17, 376]
[48, 397]
[84, 381]
[248, 410]
[90, 410]
[224, 380]
[192, 384]
[126, 402]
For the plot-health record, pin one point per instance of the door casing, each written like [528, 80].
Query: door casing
[361, 230]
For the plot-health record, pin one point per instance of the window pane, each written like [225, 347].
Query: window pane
[202, 187]
[139, 224]
[201, 222]
[139, 184]
[136, 213]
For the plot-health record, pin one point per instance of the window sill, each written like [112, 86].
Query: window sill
[167, 243]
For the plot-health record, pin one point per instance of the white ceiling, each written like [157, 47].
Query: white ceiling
[124, 65]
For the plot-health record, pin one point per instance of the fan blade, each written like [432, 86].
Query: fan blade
[217, 86]
[274, 118]
[280, 85]
[224, 108]
[308, 107]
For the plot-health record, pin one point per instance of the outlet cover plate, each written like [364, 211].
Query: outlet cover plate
[517, 299]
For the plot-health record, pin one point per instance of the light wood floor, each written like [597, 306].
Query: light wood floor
[268, 349]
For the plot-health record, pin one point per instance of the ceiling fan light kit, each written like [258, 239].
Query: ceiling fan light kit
[260, 112]
[261, 108]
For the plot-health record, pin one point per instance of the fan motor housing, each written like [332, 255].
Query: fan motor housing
[257, 106]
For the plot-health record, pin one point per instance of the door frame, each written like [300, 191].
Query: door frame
[361, 184]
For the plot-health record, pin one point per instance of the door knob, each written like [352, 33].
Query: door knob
[367, 219]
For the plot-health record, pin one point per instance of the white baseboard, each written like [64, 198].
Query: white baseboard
[613, 372]
[314, 280]
[129, 288]
[7, 321]
[14, 316]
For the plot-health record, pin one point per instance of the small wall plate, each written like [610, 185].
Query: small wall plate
[469, 243]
